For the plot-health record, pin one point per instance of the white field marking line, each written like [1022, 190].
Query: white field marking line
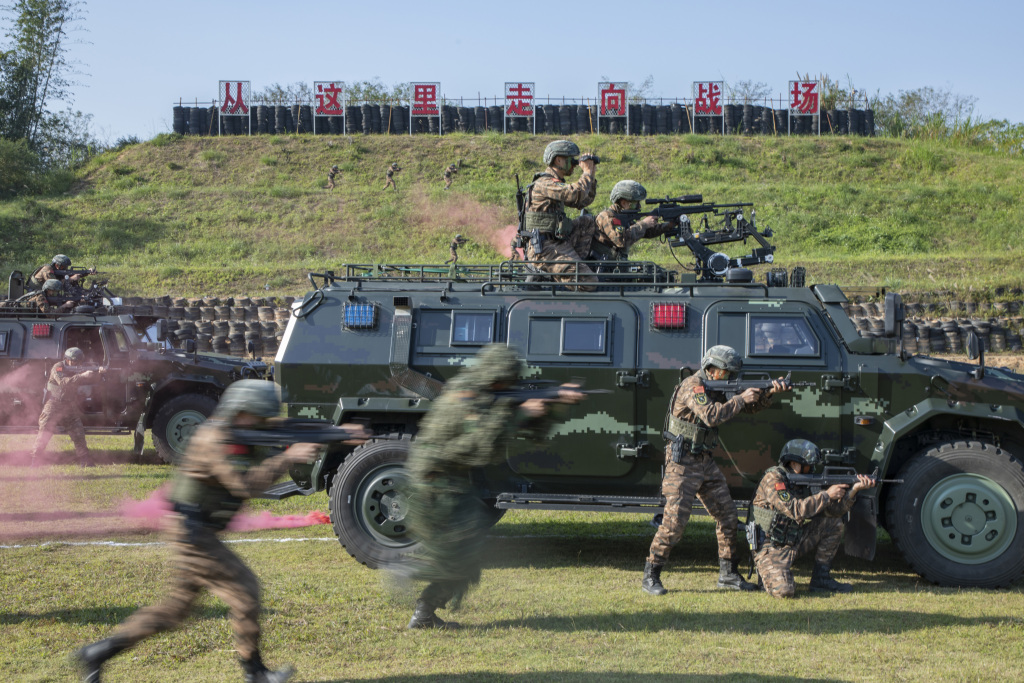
[118, 544]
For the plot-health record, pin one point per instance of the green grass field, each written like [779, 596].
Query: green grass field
[559, 601]
[232, 216]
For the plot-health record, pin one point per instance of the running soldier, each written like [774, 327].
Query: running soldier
[616, 232]
[56, 269]
[793, 521]
[390, 176]
[466, 428]
[453, 249]
[691, 429]
[61, 409]
[449, 174]
[553, 237]
[214, 478]
[330, 177]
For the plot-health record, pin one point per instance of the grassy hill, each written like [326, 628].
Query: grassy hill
[191, 216]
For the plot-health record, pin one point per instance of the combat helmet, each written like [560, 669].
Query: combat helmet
[560, 148]
[458, 237]
[801, 451]
[61, 261]
[52, 285]
[334, 168]
[257, 397]
[394, 164]
[722, 356]
[628, 189]
[74, 355]
[494, 363]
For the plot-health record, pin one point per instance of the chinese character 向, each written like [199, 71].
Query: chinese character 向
[327, 99]
[235, 102]
[613, 101]
[520, 100]
[805, 97]
[708, 99]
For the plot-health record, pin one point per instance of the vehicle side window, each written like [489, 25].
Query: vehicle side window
[779, 335]
[584, 336]
[87, 339]
[553, 338]
[440, 330]
[472, 328]
[3, 342]
[117, 341]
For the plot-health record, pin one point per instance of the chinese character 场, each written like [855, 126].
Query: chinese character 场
[327, 99]
[708, 99]
[424, 99]
[236, 104]
[613, 100]
[519, 98]
[805, 96]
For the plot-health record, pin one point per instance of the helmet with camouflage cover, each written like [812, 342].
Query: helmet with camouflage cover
[52, 285]
[494, 363]
[74, 355]
[257, 397]
[628, 189]
[334, 168]
[458, 237]
[394, 164]
[722, 356]
[61, 261]
[801, 451]
[560, 148]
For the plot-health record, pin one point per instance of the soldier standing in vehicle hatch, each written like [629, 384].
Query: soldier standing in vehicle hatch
[690, 470]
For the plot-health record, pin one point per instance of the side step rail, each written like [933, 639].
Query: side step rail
[286, 489]
[591, 503]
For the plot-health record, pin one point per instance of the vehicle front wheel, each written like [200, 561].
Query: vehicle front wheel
[176, 420]
[958, 518]
[367, 504]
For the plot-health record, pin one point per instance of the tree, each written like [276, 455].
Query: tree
[747, 91]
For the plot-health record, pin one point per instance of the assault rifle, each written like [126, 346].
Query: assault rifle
[68, 272]
[832, 475]
[731, 387]
[283, 433]
[522, 392]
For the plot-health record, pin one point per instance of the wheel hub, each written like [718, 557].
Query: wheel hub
[181, 428]
[969, 518]
[383, 507]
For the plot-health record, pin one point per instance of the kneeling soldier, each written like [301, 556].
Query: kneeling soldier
[796, 521]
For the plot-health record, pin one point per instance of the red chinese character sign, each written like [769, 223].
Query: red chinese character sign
[519, 103]
[707, 100]
[804, 100]
[330, 100]
[425, 102]
[611, 101]
[234, 100]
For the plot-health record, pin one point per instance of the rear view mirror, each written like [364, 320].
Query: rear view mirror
[895, 314]
[161, 330]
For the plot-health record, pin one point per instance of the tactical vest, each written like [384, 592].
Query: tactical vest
[696, 437]
[213, 503]
[780, 530]
[550, 224]
[56, 390]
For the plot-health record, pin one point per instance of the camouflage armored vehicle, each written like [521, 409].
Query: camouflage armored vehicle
[148, 385]
[378, 342]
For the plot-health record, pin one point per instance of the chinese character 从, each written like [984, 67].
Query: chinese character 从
[613, 100]
[327, 101]
[235, 103]
[424, 99]
[708, 99]
[805, 97]
[519, 97]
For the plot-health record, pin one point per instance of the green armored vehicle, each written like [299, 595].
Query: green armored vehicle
[148, 385]
[377, 343]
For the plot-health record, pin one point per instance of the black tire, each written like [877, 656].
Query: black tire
[175, 421]
[958, 518]
[369, 475]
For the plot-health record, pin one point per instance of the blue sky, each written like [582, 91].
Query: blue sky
[142, 56]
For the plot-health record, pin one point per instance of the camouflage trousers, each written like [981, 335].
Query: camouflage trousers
[698, 477]
[560, 253]
[447, 183]
[200, 561]
[775, 563]
[453, 257]
[390, 183]
[64, 416]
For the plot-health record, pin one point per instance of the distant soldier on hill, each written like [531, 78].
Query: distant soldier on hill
[449, 174]
[390, 175]
[453, 249]
[330, 177]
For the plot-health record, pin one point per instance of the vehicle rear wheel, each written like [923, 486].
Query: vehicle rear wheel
[958, 518]
[367, 504]
[176, 420]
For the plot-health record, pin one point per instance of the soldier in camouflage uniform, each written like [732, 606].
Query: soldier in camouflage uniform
[449, 174]
[61, 409]
[792, 521]
[330, 177]
[553, 237]
[465, 429]
[50, 299]
[54, 270]
[453, 249]
[214, 478]
[390, 176]
[692, 433]
[616, 232]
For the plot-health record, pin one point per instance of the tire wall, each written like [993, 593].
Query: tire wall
[552, 119]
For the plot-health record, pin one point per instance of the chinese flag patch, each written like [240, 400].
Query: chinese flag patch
[616, 221]
[237, 449]
[699, 389]
[780, 486]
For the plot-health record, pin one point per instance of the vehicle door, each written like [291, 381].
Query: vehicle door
[23, 371]
[119, 387]
[777, 338]
[90, 397]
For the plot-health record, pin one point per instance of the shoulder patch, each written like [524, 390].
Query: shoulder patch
[780, 486]
[237, 449]
[784, 496]
[699, 396]
[616, 221]
[698, 388]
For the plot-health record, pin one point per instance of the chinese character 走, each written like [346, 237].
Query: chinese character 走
[520, 100]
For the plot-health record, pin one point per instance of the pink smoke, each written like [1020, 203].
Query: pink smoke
[457, 214]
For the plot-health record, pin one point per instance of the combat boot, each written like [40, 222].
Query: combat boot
[652, 579]
[257, 672]
[729, 578]
[90, 658]
[822, 581]
[424, 617]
